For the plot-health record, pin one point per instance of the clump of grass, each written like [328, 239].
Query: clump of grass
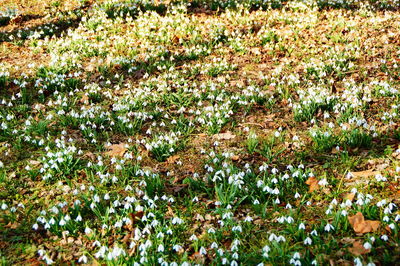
[324, 141]
[252, 142]
[163, 146]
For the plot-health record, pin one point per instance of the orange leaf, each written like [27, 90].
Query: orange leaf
[349, 196]
[172, 159]
[362, 226]
[358, 249]
[116, 150]
[235, 158]
[313, 183]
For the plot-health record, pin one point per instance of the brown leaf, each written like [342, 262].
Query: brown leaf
[90, 155]
[136, 216]
[84, 99]
[362, 226]
[34, 162]
[235, 158]
[388, 229]
[172, 159]
[170, 212]
[179, 187]
[313, 183]
[208, 217]
[358, 249]
[12, 225]
[364, 174]
[349, 196]
[224, 136]
[197, 257]
[116, 150]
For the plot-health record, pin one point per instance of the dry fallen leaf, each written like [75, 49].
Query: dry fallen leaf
[358, 249]
[198, 258]
[362, 226]
[235, 158]
[361, 177]
[172, 159]
[224, 136]
[34, 162]
[349, 196]
[84, 99]
[364, 174]
[116, 150]
[313, 183]
[12, 225]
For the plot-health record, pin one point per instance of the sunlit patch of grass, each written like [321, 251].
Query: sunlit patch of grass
[170, 133]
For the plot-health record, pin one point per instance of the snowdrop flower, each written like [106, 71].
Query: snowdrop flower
[62, 222]
[308, 241]
[202, 251]
[367, 245]
[358, 262]
[88, 230]
[47, 259]
[302, 226]
[83, 259]
[323, 182]
[328, 228]
[177, 248]
[78, 218]
[248, 219]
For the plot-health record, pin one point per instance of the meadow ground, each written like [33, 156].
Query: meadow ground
[199, 132]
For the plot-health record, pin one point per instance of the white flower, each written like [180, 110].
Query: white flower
[177, 248]
[358, 262]
[83, 259]
[329, 227]
[367, 245]
[88, 230]
[160, 248]
[48, 260]
[308, 241]
[296, 255]
[323, 182]
[302, 226]
[203, 251]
